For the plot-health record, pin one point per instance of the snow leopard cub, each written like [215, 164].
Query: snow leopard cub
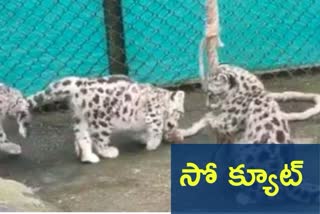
[244, 104]
[13, 104]
[102, 106]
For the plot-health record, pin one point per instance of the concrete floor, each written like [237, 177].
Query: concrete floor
[137, 180]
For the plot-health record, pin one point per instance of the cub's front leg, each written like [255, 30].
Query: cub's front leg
[7, 146]
[154, 133]
[223, 124]
[101, 132]
[83, 141]
[195, 127]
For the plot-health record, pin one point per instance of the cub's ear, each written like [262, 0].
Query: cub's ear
[232, 81]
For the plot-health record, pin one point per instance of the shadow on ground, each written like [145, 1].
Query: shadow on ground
[137, 180]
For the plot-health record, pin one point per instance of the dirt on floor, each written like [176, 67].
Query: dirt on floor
[137, 180]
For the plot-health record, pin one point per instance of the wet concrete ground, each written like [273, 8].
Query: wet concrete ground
[137, 180]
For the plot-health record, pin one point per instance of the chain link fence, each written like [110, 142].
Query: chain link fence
[151, 41]
[267, 35]
[42, 40]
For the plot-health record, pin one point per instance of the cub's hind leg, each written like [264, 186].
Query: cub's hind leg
[83, 141]
[5, 145]
[100, 133]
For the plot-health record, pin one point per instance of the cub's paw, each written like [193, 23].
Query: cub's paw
[153, 145]
[108, 152]
[90, 158]
[175, 136]
[10, 148]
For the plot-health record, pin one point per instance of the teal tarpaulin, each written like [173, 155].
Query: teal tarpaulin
[42, 40]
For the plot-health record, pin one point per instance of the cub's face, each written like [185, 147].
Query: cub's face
[221, 83]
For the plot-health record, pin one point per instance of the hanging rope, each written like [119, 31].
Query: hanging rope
[210, 42]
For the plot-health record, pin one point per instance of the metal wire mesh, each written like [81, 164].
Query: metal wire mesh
[266, 35]
[162, 39]
[42, 40]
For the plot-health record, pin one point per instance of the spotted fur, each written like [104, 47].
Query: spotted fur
[103, 106]
[244, 106]
[13, 104]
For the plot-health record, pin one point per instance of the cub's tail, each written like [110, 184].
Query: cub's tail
[56, 91]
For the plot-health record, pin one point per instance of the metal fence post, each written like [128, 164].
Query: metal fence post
[115, 36]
